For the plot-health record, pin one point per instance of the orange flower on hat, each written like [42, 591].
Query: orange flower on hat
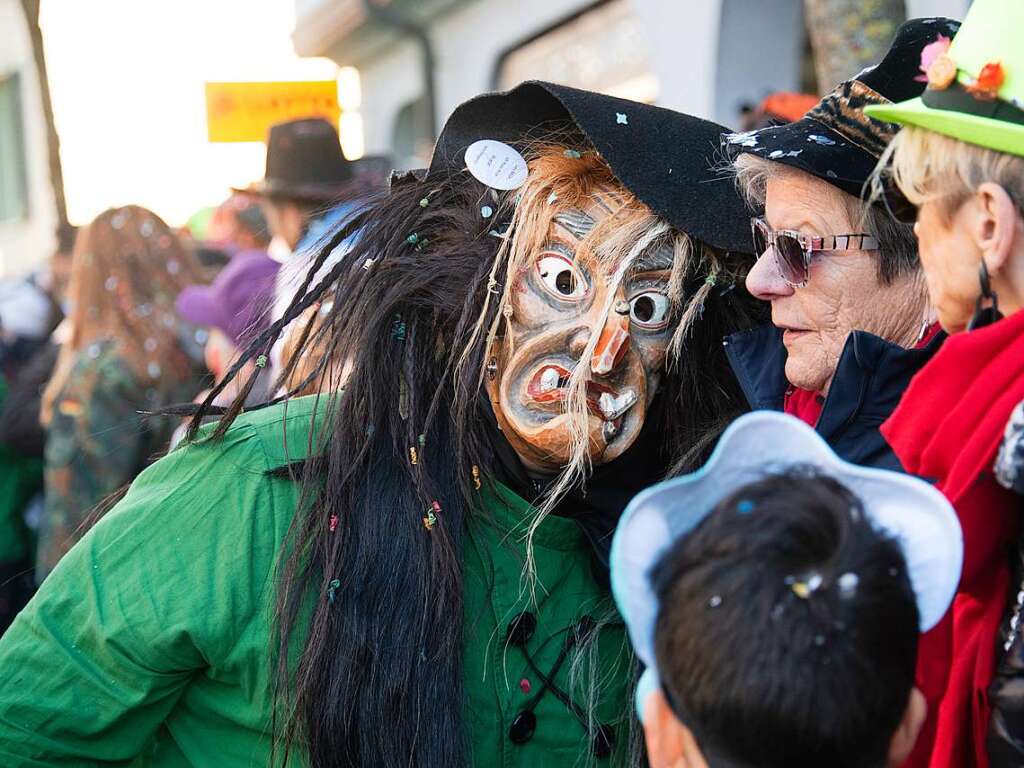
[988, 82]
[941, 72]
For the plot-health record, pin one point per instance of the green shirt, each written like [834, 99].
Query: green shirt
[152, 636]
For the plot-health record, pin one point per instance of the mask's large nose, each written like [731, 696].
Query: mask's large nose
[612, 345]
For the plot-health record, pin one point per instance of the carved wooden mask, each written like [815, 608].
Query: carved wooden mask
[556, 303]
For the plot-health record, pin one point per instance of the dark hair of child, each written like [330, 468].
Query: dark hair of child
[787, 634]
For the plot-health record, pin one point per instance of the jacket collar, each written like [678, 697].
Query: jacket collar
[758, 358]
[870, 378]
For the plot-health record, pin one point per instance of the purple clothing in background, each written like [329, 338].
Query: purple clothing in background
[239, 299]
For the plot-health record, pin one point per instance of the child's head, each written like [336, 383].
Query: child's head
[775, 598]
[787, 634]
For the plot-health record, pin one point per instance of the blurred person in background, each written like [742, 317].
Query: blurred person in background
[30, 309]
[776, 108]
[27, 316]
[21, 479]
[309, 186]
[312, 371]
[126, 353]
[234, 309]
[56, 277]
[239, 224]
[309, 190]
[236, 225]
[32, 367]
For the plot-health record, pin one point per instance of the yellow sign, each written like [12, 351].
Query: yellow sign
[245, 111]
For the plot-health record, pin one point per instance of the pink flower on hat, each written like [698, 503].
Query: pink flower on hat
[930, 53]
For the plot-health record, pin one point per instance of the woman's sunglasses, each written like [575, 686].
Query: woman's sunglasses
[793, 250]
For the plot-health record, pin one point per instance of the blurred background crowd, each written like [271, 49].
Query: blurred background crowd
[163, 167]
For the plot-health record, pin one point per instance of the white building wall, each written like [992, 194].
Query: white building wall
[683, 40]
[466, 43]
[389, 82]
[25, 244]
[469, 40]
[760, 53]
[954, 9]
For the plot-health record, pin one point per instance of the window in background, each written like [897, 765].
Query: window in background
[410, 141]
[13, 184]
[600, 49]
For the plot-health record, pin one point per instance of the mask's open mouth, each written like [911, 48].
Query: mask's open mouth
[550, 384]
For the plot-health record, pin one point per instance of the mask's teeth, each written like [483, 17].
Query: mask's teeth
[610, 430]
[549, 380]
[614, 407]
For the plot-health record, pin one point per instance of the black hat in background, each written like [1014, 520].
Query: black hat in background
[304, 162]
[666, 158]
[835, 140]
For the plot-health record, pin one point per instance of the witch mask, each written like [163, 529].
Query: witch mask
[587, 318]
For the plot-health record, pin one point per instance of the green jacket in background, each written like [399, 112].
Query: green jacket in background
[97, 442]
[152, 637]
[21, 478]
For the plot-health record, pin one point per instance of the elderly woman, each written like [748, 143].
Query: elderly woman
[851, 319]
[849, 306]
[960, 165]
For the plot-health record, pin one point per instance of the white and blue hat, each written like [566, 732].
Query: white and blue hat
[759, 444]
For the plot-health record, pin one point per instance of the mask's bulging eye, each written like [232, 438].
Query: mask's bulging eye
[560, 276]
[650, 309]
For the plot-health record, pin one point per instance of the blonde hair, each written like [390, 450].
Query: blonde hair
[931, 167]
[127, 269]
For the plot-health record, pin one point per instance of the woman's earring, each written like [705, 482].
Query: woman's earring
[925, 325]
[985, 315]
[492, 368]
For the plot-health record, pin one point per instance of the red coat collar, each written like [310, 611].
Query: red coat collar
[950, 422]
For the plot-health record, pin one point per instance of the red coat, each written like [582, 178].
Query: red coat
[948, 428]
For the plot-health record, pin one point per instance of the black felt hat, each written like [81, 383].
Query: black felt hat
[835, 140]
[665, 158]
[304, 162]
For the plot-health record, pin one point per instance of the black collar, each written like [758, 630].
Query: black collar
[870, 378]
[597, 506]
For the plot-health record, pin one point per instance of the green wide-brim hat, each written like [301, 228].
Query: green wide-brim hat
[991, 34]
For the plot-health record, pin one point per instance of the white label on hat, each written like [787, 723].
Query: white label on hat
[496, 164]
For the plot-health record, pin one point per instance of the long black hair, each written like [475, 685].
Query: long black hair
[370, 600]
